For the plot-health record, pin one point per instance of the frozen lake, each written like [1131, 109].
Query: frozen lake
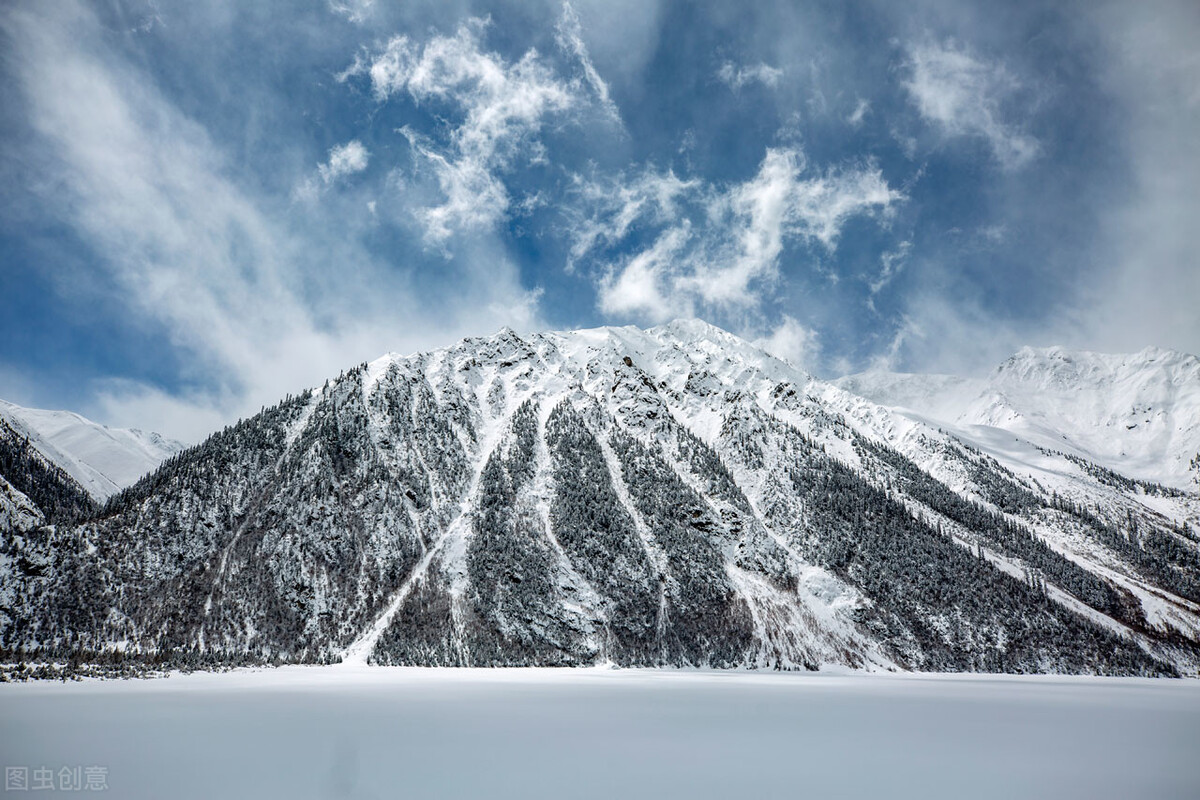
[341, 732]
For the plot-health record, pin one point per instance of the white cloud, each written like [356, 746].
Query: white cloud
[993, 234]
[1145, 287]
[792, 342]
[357, 11]
[344, 160]
[755, 218]
[642, 287]
[861, 109]
[612, 207]
[730, 255]
[187, 416]
[739, 76]
[622, 35]
[474, 198]
[891, 261]
[935, 333]
[570, 38]
[503, 107]
[964, 96]
[244, 293]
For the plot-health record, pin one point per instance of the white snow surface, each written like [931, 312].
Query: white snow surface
[101, 459]
[1137, 414]
[359, 732]
[17, 512]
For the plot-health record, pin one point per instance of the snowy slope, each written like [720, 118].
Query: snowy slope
[103, 460]
[1136, 414]
[17, 512]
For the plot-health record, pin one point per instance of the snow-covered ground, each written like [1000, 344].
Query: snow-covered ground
[358, 732]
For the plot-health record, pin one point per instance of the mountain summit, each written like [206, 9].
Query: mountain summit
[1138, 414]
[102, 460]
[671, 496]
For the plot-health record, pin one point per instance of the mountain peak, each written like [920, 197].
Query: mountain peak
[1071, 369]
[692, 327]
[101, 459]
[671, 496]
[1135, 413]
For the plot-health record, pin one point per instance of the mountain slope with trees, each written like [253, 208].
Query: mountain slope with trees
[668, 497]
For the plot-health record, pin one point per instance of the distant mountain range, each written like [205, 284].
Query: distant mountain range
[664, 497]
[1136, 414]
[100, 459]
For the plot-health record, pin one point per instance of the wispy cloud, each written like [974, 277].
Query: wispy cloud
[569, 34]
[344, 160]
[963, 95]
[462, 163]
[501, 107]
[474, 197]
[934, 332]
[1145, 285]
[738, 76]
[603, 211]
[356, 11]
[861, 109]
[243, 291]
[891, 262]
[645, 285]
[729, 255]
[792, 341]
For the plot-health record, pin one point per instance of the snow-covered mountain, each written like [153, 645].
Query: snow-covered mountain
[102, 460]
[673, 496]
[1137, 414]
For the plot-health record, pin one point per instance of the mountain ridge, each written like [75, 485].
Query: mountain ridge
[101, 459]
[673, 496]
[1137, 413]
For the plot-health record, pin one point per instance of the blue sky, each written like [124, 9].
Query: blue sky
[207, 205]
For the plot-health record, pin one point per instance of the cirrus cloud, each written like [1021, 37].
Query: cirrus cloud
[717, 248]
[344, 160]
[963, 95]
[498, 109]
[738, 77]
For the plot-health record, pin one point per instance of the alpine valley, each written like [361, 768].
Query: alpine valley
[666, 497]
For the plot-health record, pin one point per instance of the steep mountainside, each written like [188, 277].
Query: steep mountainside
[35, 484]
[102, 460]
[672, 496]
[1137, 414]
